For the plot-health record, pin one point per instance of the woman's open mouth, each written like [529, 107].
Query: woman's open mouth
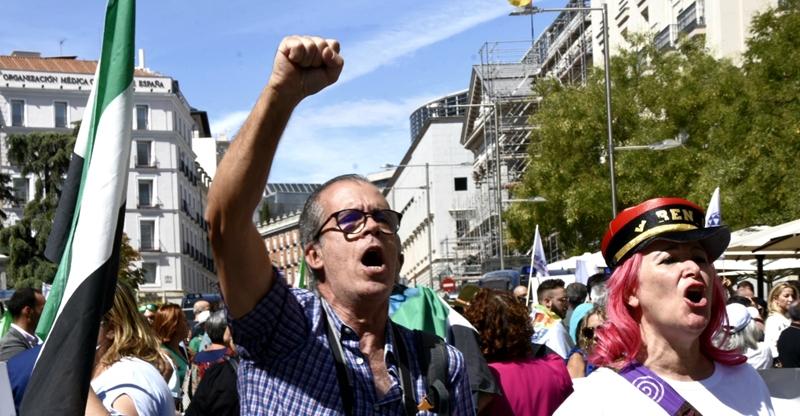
[695, 296]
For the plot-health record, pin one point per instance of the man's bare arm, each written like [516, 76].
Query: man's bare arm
[303, 66]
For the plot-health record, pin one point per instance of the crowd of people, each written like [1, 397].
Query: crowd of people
[660, 333]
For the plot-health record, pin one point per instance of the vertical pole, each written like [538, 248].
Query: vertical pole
[430, 229]
[499, 185]
[608, 111]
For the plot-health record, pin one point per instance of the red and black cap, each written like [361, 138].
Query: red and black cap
[671, 219]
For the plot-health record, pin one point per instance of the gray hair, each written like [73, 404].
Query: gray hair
[311, 220]
[215, 327]
[740, 341]
[600, 294]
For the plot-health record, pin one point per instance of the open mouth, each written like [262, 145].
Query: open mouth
[695, 294]
[372, 259]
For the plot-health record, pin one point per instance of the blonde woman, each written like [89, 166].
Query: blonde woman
[127, 376]
[779, 299]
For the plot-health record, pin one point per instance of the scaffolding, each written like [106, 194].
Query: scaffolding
[501, 100]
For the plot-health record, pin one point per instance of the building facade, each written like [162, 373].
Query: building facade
[724, 24]
[282, 239]
[432, 186]
[164, 218]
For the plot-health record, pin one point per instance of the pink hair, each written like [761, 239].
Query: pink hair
[620, 338]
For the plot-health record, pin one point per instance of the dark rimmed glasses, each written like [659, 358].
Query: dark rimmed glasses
[588, 333]
[351, 221]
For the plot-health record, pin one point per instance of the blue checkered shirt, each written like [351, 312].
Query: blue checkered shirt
[287, 366]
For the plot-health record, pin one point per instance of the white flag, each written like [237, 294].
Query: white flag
[538, 260]
[714, 214]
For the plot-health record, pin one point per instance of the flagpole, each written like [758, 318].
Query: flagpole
[530, 272]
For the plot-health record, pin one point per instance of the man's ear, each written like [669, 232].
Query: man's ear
[314, 258]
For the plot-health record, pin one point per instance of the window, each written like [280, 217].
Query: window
[60, 110]
[141, 117]
[149, 269]
[460, 184]
[21, 190]
[462, 228]
[17, 113]
[146, 193]
[143, 152]
[147, 235]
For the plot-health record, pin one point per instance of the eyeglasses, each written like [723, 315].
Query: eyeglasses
[149, 307]
[351, 221]
[522, 299]
[588, 333]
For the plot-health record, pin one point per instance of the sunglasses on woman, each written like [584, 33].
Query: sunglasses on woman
[588, 333]
[149, 307]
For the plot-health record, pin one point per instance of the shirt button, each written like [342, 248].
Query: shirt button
[347, 330]
[359, 360]
[376, 407]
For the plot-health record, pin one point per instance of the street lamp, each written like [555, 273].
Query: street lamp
[427, 189]
[530, 9]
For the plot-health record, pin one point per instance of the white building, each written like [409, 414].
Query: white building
[449, 190]
[724, 23]
[166, 194]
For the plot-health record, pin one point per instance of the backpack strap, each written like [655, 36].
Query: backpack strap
[433, 363]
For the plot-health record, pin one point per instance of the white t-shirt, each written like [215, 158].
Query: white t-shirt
[141, 381]
[731, 390]
[761, 357]
[773, 327]
[550, 332]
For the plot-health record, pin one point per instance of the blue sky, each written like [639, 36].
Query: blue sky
[398, 56]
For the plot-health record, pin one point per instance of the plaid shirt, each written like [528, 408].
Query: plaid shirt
[287, 366]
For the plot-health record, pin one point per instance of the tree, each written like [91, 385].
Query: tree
[128, 272]
[46, 156]
[6, 195]
[655, 97]
[263, 214]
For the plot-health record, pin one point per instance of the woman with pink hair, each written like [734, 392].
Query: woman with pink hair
[665, 306]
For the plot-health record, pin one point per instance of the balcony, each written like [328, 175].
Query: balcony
[690, 19]
[666, 38]
[144, 162]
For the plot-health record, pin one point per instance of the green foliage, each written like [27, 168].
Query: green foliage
[743, 126]
[128, 272]
[46, 156]
[263, 214]
[6, 195]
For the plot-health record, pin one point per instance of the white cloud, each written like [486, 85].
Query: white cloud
[229, 123]
[417, 31]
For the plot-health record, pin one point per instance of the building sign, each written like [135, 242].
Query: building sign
[60, 81]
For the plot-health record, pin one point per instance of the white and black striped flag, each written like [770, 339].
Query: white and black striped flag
[87, 232]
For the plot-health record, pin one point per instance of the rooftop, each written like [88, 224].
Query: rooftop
[58, 64]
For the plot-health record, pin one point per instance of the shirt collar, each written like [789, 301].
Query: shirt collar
[32, 339]
[389, 354]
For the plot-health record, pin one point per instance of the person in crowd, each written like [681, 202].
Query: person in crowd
[549, 335]
[196, 344]
[746, 289]
[521, 293]
[665, 303]
[789, 341]
[26, 307]
[577, 363]
[742, 335]
[529, 385]
[577, 294]
[216, 395]
[781, 295]
[333, 353]
[752, 309]
[127, 375]
[216, 327]
[171, 327]
[148, 312]
[597, 297]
